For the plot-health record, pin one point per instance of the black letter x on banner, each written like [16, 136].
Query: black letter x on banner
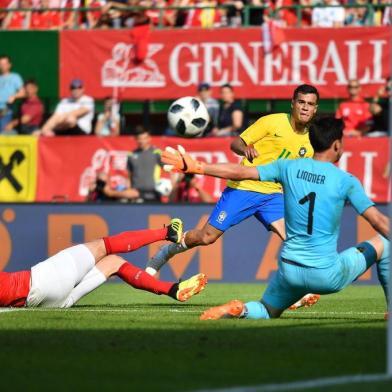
[16, 158]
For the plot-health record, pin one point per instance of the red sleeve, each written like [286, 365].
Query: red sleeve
[55, 19]
[338, 113]
[14, 288]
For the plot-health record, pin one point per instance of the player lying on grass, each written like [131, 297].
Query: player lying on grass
[279, 135]
[315, 192]
[61, 280]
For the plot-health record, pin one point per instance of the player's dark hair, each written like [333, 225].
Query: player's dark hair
[227, 85]
[305, 89]
[324, 131]
[31, 81]
[5, 56]
[140, 130]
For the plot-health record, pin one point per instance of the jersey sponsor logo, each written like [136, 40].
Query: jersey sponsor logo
[222, 216]
[302, 152]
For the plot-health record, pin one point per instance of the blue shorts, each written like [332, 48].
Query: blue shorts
[292, 282]
[236, 205]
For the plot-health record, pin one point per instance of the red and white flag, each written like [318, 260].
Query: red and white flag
[272, 35]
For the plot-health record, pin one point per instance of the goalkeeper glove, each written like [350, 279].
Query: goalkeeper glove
[179, 160]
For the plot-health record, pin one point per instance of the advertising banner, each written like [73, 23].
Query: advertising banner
[66, 168]
[178, 60]
[246, 253]
[18, 168]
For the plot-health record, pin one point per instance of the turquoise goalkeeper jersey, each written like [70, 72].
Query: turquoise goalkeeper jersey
[315, 193]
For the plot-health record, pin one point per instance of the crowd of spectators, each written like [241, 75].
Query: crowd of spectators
[47, 14]
[75, 115]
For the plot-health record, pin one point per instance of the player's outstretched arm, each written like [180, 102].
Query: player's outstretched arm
[378, 220]
[231, 171]
[179, 160]
[241, 148]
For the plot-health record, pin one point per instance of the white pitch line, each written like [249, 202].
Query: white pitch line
[335, 313]
[81, 310]
[306, 384]
[102, 310]
[6, 310]
[74, 310]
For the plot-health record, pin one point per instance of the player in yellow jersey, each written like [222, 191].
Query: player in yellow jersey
[272, 137]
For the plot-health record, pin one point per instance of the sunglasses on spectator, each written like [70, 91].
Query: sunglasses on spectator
[353, 86]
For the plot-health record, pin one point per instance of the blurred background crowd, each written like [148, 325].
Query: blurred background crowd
[23, 112]
[91, 14]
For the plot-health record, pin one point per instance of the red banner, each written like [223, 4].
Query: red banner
[178, 60]
[66, 168]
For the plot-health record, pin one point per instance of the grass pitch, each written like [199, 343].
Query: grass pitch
[119, 339]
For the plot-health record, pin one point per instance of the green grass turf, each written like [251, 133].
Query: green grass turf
[118, 339]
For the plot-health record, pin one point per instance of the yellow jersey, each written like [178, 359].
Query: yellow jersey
[274, 138]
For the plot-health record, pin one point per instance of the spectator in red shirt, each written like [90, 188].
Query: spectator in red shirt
[355, 111]
[31, 112]
[45, 19]
[168, 15]
[18, 20]
[94, 16]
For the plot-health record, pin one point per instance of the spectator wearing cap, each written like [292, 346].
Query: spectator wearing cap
[31, 112]
[212, 105]
[231, 115]
[355, 111]
[11, 88]
[73, 115]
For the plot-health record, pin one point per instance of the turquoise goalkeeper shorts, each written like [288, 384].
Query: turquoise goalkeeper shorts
[292, 281]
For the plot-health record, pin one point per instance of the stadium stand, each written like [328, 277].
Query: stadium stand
[91, 14]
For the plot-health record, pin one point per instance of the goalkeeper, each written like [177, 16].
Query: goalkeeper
[315, 192]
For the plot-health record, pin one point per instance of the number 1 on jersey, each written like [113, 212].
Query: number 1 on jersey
[311, 198]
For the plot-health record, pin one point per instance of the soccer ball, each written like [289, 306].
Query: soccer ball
[188, 116]
[164, 186]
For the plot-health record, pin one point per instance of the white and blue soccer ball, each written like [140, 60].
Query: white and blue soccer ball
[164, 186]
[188, 116]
